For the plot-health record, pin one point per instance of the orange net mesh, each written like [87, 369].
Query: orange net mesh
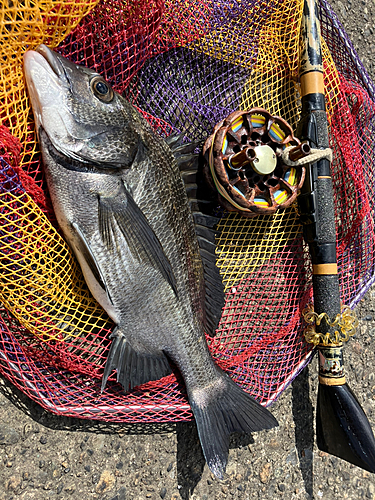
[186, 65]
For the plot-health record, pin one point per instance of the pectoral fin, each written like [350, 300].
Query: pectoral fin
[123, 214]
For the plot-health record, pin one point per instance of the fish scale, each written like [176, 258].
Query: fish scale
[121, 203]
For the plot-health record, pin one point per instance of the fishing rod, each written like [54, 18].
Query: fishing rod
[342, 428]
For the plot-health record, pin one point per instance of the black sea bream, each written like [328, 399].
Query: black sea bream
[119, 198]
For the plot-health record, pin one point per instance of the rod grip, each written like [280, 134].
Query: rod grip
[318, 215]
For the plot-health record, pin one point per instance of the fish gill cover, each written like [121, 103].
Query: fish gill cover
[186, 65]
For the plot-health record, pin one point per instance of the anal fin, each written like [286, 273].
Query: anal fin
[133, 367]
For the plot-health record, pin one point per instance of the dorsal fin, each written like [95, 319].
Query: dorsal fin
[202, 207]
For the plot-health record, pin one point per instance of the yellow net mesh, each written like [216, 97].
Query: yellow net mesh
[42, 283]
[244, 245]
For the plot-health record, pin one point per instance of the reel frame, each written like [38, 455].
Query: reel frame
[243, 163]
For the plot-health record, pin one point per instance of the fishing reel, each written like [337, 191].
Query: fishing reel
[244, 162]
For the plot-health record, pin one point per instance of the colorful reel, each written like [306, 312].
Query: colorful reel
[244, 163]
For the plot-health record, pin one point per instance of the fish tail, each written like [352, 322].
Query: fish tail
[231, 410]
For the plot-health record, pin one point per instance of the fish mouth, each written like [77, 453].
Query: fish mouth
[46, 81]
[47, 60]
[53, 60]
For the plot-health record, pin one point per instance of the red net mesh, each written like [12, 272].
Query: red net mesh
[186, 65]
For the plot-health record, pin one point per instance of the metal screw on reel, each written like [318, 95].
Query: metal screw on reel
[244, 164]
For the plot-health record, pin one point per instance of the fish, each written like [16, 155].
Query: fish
[121, 203]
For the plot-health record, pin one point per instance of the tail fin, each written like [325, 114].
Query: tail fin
[342, 428]
[231, 411]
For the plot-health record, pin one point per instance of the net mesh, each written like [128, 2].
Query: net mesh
[186, 65]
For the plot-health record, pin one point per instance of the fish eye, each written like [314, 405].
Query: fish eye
[101, 89]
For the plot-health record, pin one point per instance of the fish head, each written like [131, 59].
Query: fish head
[82, 117]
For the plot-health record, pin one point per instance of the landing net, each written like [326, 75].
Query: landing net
[186, 65]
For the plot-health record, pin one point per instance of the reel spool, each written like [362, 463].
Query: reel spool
[243, 162]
